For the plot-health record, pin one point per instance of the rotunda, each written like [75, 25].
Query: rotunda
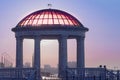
[50, 24]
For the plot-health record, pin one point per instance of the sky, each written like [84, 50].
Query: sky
[102, 17]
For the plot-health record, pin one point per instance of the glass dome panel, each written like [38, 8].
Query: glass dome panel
[49, 17]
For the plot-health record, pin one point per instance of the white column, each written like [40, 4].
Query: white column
[19, 52]
[80, 52]
[80, 57]
[62, 55]
[37, 53]
[36, 64]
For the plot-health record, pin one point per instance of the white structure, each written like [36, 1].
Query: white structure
[50, 24]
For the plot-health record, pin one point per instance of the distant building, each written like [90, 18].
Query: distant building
[47, 66]
[2, 65]
[54, 70]
[6, 61]
[6, 64]
[27, 65]
[72, 64]
[49, 69]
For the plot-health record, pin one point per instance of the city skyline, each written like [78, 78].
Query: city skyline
[101, 17]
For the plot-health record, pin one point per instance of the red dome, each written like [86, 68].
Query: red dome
[49, 17]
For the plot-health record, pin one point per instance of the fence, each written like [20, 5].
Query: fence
[16, 73]
[89, 74]
[71, 74]
[92, 74]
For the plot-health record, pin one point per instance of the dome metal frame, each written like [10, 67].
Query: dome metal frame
[49, 17]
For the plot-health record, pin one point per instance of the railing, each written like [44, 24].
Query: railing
[92, 74]
[113, 74]
[71, 74]
[16, 73]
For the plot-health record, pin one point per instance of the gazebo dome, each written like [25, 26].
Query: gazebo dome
[49, 17]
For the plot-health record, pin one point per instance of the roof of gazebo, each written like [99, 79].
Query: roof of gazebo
[49, 17]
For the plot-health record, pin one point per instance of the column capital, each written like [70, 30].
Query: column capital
[37, 38]
[63, 37]
[80, 37]
[20, 38]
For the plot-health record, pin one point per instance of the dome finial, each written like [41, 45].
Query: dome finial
[49, 5]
